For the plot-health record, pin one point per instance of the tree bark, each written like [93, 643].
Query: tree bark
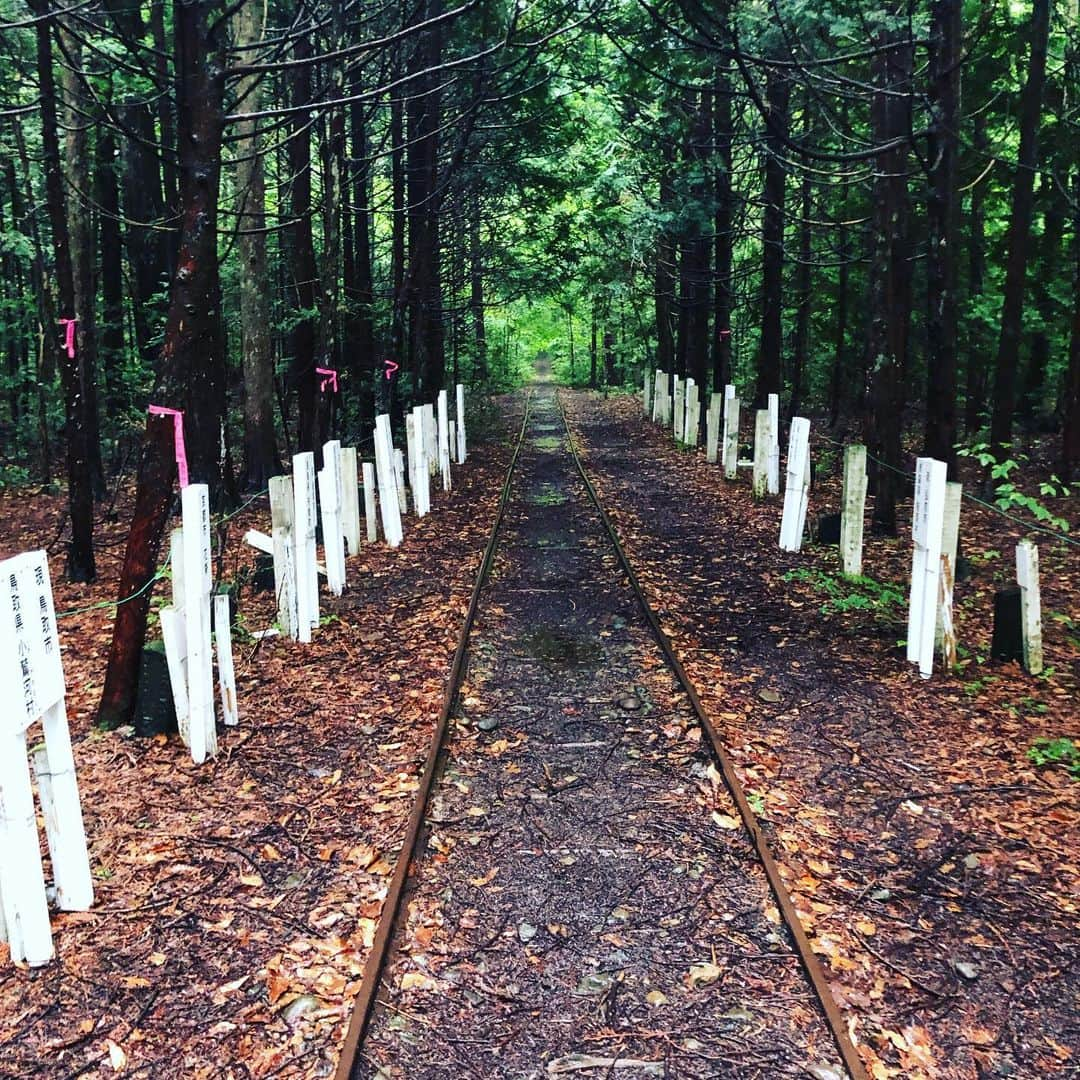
[111, 338]
[946, 36]
[975, 385]
[723, 239]
[770, 370]
[1012, 308]
[80, 558]
[664, 278]
[261, 459]
[890, 274]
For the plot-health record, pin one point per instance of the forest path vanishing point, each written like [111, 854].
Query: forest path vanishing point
[583, 896]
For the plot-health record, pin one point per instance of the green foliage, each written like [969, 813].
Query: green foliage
[1008, 496]
[1060, 751]
[845, 595]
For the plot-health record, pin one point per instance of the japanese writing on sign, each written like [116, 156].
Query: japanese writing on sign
[31, 671]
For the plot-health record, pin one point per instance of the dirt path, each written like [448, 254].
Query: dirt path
[587, 902]
[935, 868]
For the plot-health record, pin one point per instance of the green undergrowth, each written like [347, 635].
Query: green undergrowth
[843, 595]
[1060, 751]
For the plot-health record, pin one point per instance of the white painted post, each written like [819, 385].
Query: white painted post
[417, 451]
[32, 688]
[399, 481]
[431, 439]
[945, 614]
[350, 499]
[453, 442]
[797, 489]
[853, 506]
[198, 581]
[950, 546]
[693, 414]
[330, 504]
[659, 393]
[762, 449]
[729, 393]
[462, 449]
[731, 438]
[307, 576]
[679, 405]
[370, 516]
[926, 526]
[384, 466]
[226, 671]
[413, 465]
[1027, 577]
[281, 534]
[773, 486]
[712, 428]
[645, 396]
[174, 638]
[444, 442]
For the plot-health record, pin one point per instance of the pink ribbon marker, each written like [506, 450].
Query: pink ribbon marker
[330, 380]
[391, 367]
[726, 332]
[178, 435]
[69, 336]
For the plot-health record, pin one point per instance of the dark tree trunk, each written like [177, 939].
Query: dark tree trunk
[111, 338]
[770, 371]
[80, 560]
[260, 442]
[1070, 398]
[664, 287]
[1012, 309]
[359, 284]
[1032, 402]
[890, 274]
[946, 36]
[592, 347]
[976, 382]
[303, 378]
[696, 253]
[476, 292]
[722, 255]
[800, 358]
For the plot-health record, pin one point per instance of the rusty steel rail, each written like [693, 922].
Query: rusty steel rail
[382, 945]
[811, 965]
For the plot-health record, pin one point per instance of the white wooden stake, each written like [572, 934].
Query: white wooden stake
[797, 490]
[679, 406]
[421, 479]
[659, 396]
[945, 614]
[731, 438]
[350, 499]
[950, 546]
[853, 505]
[284, 551]
[453, 442]
[926, 528]
[431, 439]
[22, 879]
[444, 442]
[198, 581]
[370, 515]
[462, 448]
[226, 671]
[729, 393]
[384, 466]
[773, 486]
[1027, 577]
[399, 480]
[693, 414]
[712, 428]
[330, 504]
[646, 400]
[174, 637]
[307, 576]
[762, 449]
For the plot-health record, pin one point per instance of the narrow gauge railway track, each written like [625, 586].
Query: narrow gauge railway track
[354, 1061]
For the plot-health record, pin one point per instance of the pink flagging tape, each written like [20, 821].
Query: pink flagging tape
[178, 434]
[330, 380]
[69, 336]
[391, 367]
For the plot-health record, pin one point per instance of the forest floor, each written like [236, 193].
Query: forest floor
[236, 901]
[935, 866]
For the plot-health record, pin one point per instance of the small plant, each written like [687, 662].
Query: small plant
[845, 595]
[1006, 494]
[1061, 751]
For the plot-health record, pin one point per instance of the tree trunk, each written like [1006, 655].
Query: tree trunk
[1032, 403]
[722, 255]
[260, 444]
[359, 285]
[191, 368]
[80, 560]
[592, 347]
[975, 389]
[770, 371]
[890, 274]
[303, 378]
[946, 35]
[664, 280]
[1012, 308]
[111, 337]
[696, 261]
[476, 290]
[800, 359]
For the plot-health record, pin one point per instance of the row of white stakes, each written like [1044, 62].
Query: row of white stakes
[32, 687]
[430, 436]
[935, 525]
